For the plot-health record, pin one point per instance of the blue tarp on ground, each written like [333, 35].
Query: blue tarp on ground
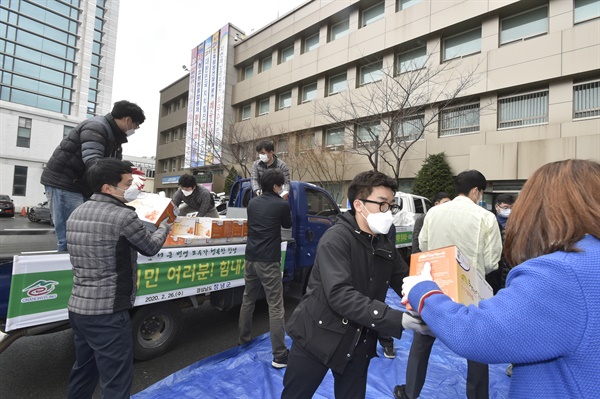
[246, 372]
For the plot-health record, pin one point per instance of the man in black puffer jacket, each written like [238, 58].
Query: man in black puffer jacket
[336, 324]
[94, 138]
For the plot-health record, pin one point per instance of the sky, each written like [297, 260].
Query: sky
[156, 37]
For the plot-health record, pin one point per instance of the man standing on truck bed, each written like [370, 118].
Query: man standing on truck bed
[267, 214]
[196, 198]
[104, 237]
[94, 138]
[336, 324]
[268, 160]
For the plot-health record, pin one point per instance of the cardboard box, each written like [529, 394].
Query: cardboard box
[213, 228]
[153, 208]
[451, 270]
[184, 227]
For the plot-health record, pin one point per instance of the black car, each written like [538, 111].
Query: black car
[7, 207]
[39, 213]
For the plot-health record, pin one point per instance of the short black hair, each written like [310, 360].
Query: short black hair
[467, 180]
[270, 178]
[124, 108]
[440, 196]
[187, 180]
[505, 199]
[105, 171]
[363, 183]
[267, 145]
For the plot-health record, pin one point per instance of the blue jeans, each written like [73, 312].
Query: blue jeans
[61, 204]
[103, 353]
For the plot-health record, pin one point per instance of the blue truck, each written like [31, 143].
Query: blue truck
[34, 289]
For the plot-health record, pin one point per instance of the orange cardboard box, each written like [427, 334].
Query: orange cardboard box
[153, 208]
[213, 228]
[184, 227]
[451, 270]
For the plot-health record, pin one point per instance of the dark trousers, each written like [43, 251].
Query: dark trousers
[103, 352]
[304, 374]
[416, 370]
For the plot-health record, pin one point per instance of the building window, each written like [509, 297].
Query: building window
[249, 72]
[20, 180]
[586, 10]
[371, 73]
[404, 4]
[463, 44]
[311, 43]
[282, 147]
[265, 63]
[285, 100]
[337, 84]
[410, 129]
[246, 112]
[458, 120]
[309, 92]
[174, 165]
[67, 130]
[411, 60]
[523, 110]
[306, 141]
[586, 99]
[334, 138]
[287, 54]
[373, 14]
[339, 30]
[165, 165]
[263, 107]
[24, 132]
[525, 25]
[368, 133]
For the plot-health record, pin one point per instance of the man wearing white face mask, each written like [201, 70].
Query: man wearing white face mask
[268, 160]
[196, 198]
[105, 236]
[475, 232]
[336, 324]
[504, 204]
[98, 137]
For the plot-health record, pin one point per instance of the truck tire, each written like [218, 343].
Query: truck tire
[155, 329]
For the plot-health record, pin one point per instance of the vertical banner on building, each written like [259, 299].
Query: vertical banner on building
[210, 128]
[189, 128]
[208, 74]
[220, 100]
[197, 104]
[205, 99]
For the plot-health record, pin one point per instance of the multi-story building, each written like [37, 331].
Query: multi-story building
[56, 67]
[342, 86]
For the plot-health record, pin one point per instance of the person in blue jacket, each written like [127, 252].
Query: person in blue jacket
[546, 322]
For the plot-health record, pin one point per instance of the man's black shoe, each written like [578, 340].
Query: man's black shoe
[400, 392]
[281, 362]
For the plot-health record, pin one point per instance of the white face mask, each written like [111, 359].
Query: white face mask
[379, 223]
[130, 132]
[263, 157]
[130, 194]
[504, 212]
[187, 193]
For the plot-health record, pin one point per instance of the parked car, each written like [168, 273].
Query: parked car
[39, 213]
[7, 207]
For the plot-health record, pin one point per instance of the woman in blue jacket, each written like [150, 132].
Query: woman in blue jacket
[547, 319]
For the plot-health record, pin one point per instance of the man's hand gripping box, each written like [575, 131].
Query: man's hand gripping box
[152, 208]
[451, 270]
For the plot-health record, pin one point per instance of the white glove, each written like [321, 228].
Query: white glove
[165, 223]
[412, 321]
[139, 181]
[409, 282]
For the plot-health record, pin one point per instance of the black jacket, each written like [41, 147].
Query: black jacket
[267, 214]
[97, 137]
[344, 301]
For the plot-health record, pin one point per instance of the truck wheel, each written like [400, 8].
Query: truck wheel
[155, 328]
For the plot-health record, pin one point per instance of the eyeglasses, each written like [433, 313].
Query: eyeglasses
[384, 206]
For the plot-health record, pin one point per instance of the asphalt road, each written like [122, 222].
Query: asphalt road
[38, 367]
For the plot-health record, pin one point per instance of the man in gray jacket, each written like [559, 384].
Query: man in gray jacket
[104, 237]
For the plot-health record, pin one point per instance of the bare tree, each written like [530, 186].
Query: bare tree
[389, 114]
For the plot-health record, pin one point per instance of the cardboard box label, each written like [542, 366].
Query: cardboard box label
[451, 270]
[153, 208]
